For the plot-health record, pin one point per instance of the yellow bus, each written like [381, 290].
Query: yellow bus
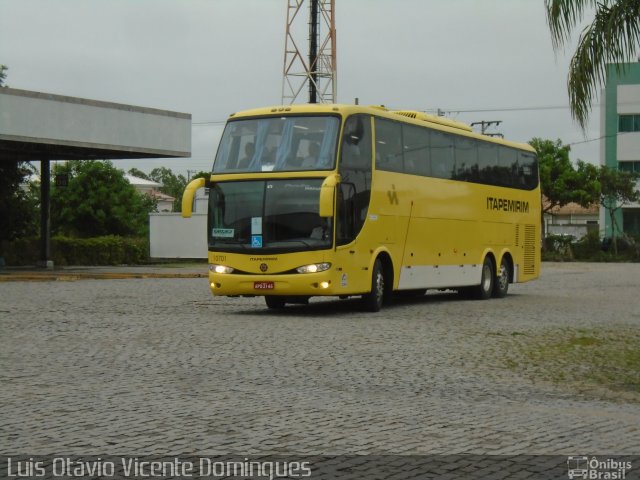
[349, 200]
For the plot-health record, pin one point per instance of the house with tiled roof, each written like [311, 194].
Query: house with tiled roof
[571, 219]
[152, 189]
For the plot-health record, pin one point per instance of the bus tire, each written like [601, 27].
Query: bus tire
[274, 302]
[372, 301]
[487, 279]
[501, 283]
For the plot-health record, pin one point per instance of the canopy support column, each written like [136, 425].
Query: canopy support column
[45, 214]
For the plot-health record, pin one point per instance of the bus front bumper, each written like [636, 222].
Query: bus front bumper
[304, 284]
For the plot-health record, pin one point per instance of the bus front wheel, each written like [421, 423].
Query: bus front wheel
[372, 301]
[274, 302]
[487, 279]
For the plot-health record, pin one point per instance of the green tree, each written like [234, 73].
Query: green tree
[138, 173]
[172, 184]
[3, 74]
[560, 182]
[98, 200]
[18, 206]
[612, 37]
[201, 174]
[618, 189]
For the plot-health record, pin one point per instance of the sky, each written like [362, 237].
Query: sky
[474, 59]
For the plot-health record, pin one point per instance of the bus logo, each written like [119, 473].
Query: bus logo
[264, 267]
[393, 195]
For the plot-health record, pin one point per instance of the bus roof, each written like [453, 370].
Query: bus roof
[407, 116]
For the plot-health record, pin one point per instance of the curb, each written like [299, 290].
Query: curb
[74, 276]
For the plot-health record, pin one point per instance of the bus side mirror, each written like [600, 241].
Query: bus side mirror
[327, 195]
[189, 193]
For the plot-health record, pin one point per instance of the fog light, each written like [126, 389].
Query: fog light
[324, 284]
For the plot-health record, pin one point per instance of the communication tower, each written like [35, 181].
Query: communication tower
[315, 69]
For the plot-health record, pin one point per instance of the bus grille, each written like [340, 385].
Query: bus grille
[517, 235]
[529, 250]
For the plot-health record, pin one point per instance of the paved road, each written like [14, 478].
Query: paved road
[155, 365]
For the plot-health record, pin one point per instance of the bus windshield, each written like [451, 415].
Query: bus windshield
[267, 216]
[278, 144]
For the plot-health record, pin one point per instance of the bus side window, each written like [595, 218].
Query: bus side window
[389, 145]
[442, 159]
[466, 159]
[416, 148]
[528, 168]
[356, 143]
[507, 166]
[487, 163]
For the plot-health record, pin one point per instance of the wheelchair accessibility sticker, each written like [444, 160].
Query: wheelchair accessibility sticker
[256, 241]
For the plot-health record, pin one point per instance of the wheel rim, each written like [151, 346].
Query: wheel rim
[486, 278]
[503, 279]
[379, 287]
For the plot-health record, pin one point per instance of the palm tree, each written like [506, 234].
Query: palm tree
[612, 37]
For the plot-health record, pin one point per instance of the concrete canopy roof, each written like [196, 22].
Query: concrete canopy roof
[37, 126]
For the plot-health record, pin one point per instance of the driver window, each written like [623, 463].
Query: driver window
[355, 171]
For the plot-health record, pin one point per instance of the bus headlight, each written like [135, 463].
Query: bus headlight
[220, 269]
[314, 268]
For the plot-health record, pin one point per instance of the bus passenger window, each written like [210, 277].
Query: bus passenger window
[466, 159]
[442, 159]
[389, 145]
[507, 166]
[528, 167]
[416, 150]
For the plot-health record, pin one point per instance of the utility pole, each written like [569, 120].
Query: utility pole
[485, 124]
[315, 69]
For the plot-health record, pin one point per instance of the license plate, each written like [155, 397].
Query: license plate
[263, 285]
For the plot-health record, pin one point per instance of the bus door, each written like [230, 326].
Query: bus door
[353, 195]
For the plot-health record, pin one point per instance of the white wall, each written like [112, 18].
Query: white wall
[628, 99]
[629, 146]
[171, 236]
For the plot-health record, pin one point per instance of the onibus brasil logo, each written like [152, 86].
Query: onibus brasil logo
[597, 468]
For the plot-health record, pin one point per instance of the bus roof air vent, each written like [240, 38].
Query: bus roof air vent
[425, 117]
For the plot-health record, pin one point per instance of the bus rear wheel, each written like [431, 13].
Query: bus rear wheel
[372, 301]
[487, 279]
[274, 302]
[501, 286]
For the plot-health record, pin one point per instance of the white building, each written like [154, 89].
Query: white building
[620, 133]
[152, 189]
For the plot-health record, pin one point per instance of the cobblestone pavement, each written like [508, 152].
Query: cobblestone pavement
[155, 366]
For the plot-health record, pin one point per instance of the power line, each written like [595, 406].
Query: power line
[522, 109]
[599, 138]
[212, 122]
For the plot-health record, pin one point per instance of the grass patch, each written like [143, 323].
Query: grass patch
[581, 359]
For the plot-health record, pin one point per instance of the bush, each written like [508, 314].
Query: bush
[590, 249]
[108, 250]
[588, 246]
